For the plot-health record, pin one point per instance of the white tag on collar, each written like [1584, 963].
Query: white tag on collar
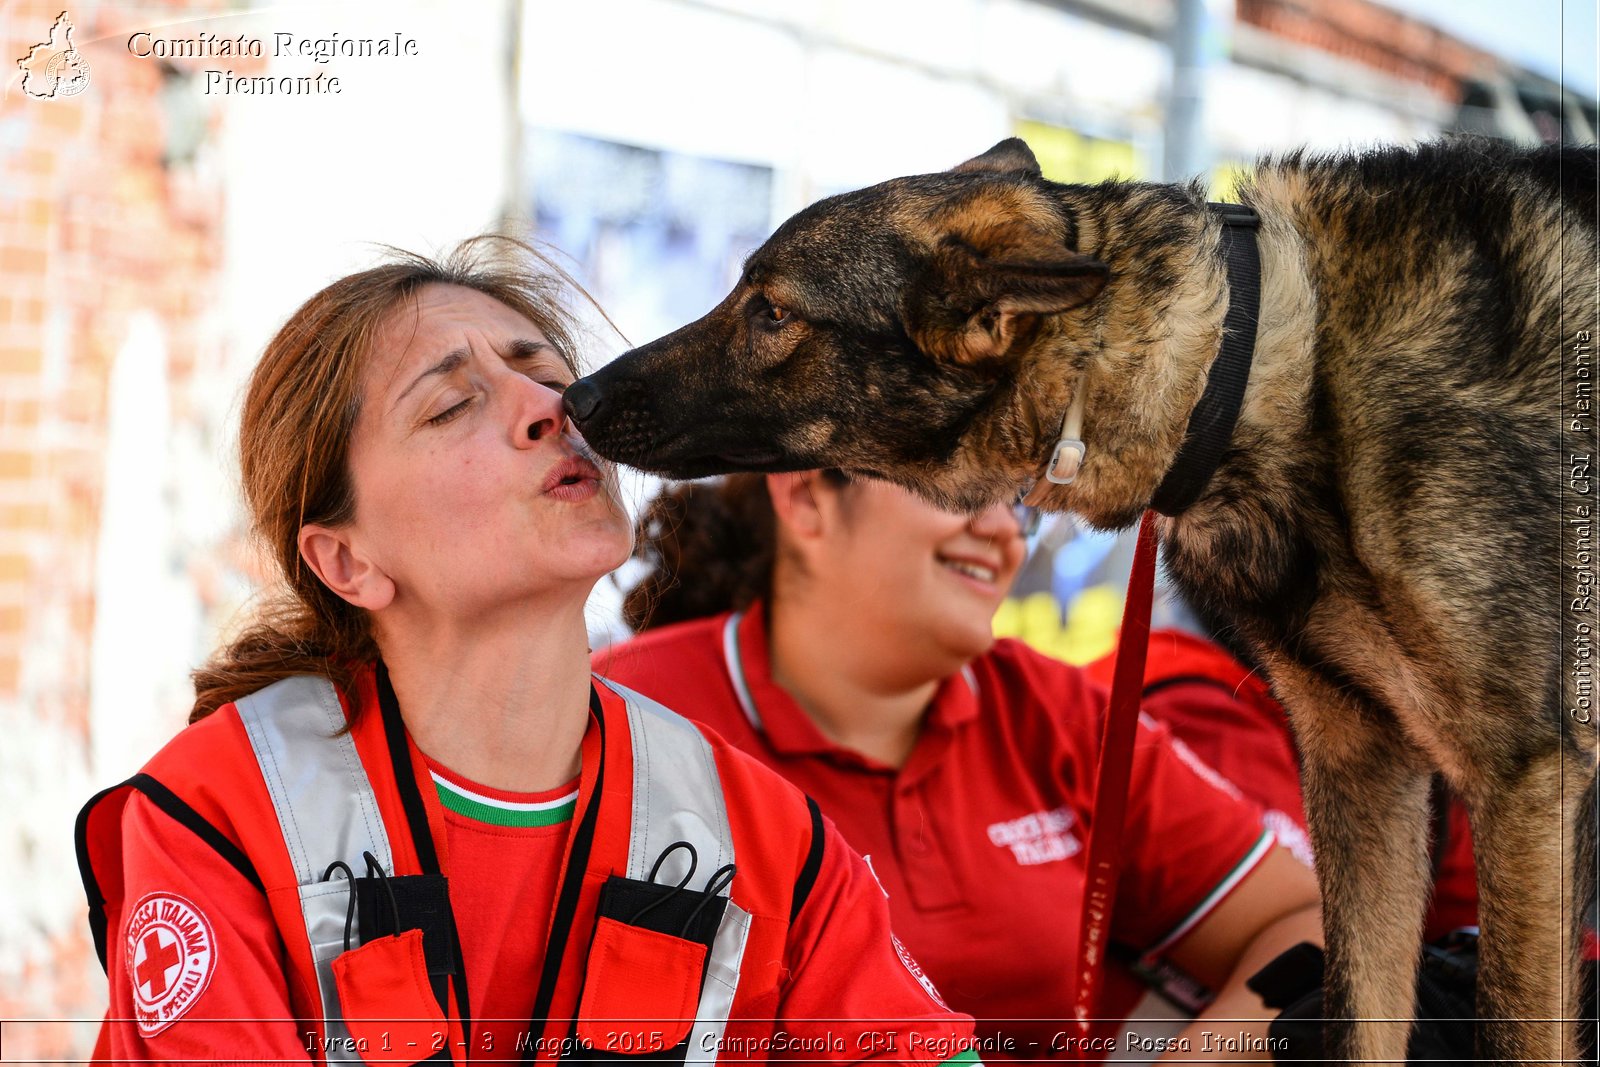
[1067, 461]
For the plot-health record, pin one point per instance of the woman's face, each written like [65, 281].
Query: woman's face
[472, 491]
[924, 578]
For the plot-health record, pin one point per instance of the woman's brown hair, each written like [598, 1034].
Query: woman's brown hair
[294, 439]
[711, 547]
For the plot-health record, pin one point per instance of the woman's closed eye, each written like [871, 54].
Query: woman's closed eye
[540, 362]
[450, 412]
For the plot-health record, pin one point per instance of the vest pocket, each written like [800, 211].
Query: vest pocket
[384, 950]
[387, 1000]
[641, 990]
[642, 986]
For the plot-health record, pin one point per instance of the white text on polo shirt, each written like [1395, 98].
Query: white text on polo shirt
[1043, 837]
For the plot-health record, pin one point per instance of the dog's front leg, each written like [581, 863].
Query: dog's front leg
[1366, 799]
[1523, 822]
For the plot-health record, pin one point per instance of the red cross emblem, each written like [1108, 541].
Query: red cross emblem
[170, 952]
[159, 958]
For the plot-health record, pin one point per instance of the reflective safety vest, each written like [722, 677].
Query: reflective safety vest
[357, 887]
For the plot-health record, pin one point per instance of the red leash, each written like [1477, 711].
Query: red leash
[1111, 780]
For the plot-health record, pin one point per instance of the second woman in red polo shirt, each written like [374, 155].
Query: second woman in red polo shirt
[841, 633]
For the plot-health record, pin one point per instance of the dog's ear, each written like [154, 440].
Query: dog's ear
[969, 308]
[1011, 156]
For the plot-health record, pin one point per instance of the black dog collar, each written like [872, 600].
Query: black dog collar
[1211, 424]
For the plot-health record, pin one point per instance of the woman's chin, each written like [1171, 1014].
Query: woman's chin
[601, 560]
[969, 640]
[597, 546]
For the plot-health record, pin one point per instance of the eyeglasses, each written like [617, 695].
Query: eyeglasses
[1028, 518]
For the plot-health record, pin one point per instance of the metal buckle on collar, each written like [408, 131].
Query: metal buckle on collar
[1236, 215]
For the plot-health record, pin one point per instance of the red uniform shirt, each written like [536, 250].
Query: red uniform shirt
[1227, 715]
[846, 981]
[978, 839]
[487, 848]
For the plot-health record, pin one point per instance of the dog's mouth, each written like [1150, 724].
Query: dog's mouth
[734, 461]
[727, 461]
[752, 459]
[678, 448]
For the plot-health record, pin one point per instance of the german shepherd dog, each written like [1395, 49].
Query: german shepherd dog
[1384, 532]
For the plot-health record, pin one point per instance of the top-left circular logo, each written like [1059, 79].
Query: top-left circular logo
[69, 72]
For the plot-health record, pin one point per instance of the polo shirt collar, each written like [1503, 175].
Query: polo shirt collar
[772, 712]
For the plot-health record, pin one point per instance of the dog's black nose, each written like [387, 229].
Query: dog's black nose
[583, 400]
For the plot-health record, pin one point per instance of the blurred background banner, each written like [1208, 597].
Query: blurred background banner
[176, 177]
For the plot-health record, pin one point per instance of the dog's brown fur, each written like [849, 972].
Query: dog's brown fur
[1385, 531]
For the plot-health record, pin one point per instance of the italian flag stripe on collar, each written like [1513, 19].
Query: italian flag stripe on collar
[497, 812]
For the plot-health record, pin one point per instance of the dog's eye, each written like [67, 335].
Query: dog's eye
[778, 314]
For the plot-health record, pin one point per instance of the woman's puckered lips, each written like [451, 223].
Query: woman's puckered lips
[569, 470]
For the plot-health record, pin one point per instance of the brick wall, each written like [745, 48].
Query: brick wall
[1375, 36]
[97, 230]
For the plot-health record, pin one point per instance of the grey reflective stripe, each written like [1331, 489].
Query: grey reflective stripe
[722, 978]
[324, 906]
[677, 793]
[326, 810]
[677, 796]
[321, 793]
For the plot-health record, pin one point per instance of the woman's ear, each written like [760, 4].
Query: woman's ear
[794, 501]
[332, 556]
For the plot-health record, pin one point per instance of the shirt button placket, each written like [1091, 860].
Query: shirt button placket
[929, 876]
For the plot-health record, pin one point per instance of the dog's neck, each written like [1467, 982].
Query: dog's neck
[1210, 430]
[1157, 330]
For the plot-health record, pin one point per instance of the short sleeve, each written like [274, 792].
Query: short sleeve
[1224, 713]
[1191, 837]
[1242, 739]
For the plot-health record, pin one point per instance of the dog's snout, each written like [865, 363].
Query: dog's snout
[583, 400]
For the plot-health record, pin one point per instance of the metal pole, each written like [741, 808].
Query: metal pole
[1185, 153]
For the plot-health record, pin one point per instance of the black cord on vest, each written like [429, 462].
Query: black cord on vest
[405, 778]
[375, 870]
[694, 861]
[416, 813]
[719, 880]
[571, 888]
[350, 913]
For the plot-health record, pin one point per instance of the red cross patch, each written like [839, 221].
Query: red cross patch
[171, 954]
[917, 972]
